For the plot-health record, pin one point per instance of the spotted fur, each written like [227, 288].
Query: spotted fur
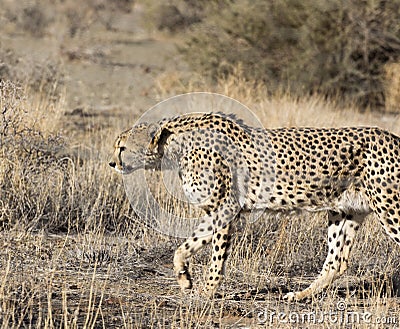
[228, 168]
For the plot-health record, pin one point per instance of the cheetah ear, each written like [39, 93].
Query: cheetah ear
[158, 137]
[165, 133]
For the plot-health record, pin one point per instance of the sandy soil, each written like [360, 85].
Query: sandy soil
[105, 67]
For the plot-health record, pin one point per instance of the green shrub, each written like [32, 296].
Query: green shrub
[333, 47]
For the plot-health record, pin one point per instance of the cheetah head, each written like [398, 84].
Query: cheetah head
[138, 148]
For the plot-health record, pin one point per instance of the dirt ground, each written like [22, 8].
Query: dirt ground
[104, 68]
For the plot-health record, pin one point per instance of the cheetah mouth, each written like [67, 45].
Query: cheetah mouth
[127, 169]
[147, 165]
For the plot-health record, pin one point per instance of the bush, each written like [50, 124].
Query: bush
[29, 163]
[43, 77]
[34, 20]
[333, 47]
[43, 183]
[174, 15]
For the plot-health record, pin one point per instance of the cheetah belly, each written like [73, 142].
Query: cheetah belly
[353, 202]
[348, 200]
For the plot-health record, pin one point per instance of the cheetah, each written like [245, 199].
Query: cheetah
[228, 168]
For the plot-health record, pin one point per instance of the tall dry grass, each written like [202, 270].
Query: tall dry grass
[49, 181]
[74, 255]
[392, 88]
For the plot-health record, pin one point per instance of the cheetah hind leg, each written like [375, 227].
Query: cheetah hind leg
[341, 233]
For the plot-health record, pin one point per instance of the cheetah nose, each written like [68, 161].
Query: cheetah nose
[112, 164]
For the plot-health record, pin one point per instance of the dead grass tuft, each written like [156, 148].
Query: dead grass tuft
[392, 87]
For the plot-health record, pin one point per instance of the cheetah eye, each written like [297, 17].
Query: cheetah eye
[122, 148]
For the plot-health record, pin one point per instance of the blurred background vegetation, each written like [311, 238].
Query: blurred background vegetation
[348, 49]
[343, 49]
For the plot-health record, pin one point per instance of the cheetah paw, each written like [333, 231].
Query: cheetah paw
[184, 280]
[290, 297]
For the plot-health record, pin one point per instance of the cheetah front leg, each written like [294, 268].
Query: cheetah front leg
[341, 234]
[221, 242]
[201, 237]
[213, 228]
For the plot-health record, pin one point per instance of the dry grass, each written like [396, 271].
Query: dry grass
[392, 87]
[74, 255]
